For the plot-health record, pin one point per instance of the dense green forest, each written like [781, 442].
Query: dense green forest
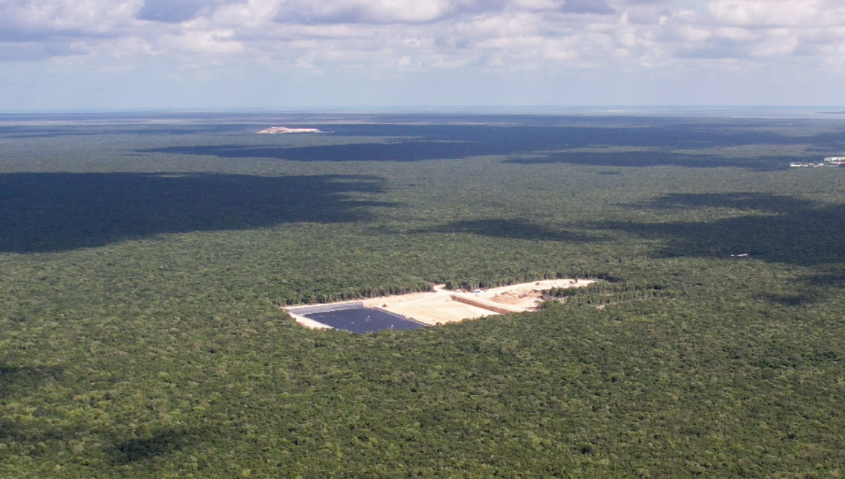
[143, 260]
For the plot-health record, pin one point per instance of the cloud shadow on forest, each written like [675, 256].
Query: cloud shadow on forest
[408, 151]
[759, 202]
[653, 158]
[141, 130]
[801, 298]
[784, 230]
[160, 443]
[811, 289]
[16, 381]
[526, 145]
[44, 212]
[512, 229]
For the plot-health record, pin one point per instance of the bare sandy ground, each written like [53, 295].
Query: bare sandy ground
[527, 295]
[308, 323]
[440, 306]
[435, 308]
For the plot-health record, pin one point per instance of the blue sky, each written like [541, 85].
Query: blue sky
[195, 54]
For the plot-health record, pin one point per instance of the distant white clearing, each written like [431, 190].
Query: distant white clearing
[284, 130]
[442, 306]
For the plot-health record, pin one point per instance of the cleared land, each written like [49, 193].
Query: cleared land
[443, 306]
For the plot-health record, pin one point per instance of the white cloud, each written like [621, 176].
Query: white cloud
[766, 13]
[79, 17]
[218, 41]
[378, 11]
[414, 36]
[429, 30]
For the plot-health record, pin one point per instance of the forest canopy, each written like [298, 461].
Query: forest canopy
[143, 266]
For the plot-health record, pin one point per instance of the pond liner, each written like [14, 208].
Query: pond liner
[363, 320]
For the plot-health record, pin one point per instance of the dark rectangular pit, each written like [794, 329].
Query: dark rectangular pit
[363, 320]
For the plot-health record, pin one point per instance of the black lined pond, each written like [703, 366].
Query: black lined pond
[364, 320]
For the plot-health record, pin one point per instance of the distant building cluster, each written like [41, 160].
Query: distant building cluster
[283, 130]
[829, 161]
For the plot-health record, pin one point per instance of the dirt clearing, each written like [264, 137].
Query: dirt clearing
[443, 306]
